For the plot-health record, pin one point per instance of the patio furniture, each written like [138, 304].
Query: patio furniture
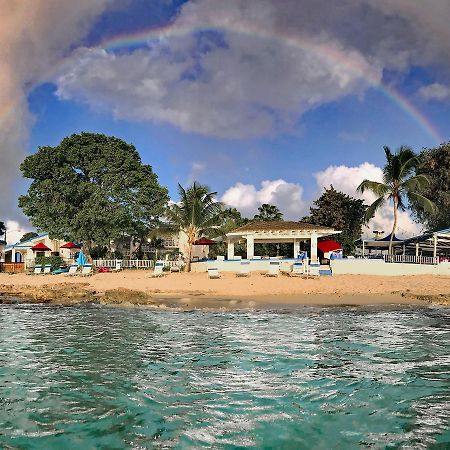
[274, 269]
[298, 269]
[87, 271]
[213, 273]
[244, 269]
[37, 270]
[158, 271]
[72, 270]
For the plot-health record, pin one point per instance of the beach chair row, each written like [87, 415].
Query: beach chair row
[301, 269]
[84, 271]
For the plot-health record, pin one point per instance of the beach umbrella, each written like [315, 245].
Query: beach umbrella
[41, 247]
[82, 260]
[71, 246]
[204, 241]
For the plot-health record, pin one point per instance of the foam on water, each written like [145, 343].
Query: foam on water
[91, 377]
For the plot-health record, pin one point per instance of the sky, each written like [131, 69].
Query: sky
[265, 101]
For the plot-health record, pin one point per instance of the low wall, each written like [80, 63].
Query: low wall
[256, 265]
[379, 267]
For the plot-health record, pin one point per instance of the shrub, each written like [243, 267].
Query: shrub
[55, 261]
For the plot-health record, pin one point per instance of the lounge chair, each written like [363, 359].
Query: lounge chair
[213, 273]
[158, 271]
[313, 270]
[87, 271]
[118, 267]
[274, 269]
[37, 270]
[298, 269]
[244, 269]
[72, 270]
[47, 269]
[220, 258]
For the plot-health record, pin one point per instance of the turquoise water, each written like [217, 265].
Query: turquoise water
[311, 378]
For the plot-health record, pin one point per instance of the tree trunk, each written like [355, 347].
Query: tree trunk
[87, 245]
[394, 227]
[188, 262]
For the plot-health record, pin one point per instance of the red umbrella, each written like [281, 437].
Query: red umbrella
[204, 241]
[41, 247]
[70, 246]
[328, 246]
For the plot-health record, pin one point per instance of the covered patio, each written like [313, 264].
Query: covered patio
[278, 233]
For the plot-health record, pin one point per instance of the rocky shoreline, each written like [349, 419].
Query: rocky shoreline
[73, 294]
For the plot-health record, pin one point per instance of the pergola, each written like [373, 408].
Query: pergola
[434, 243]
[278, 233]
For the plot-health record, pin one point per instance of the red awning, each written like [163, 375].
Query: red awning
[41, 247]
[204, 241]
[70, 246]
[328, 246]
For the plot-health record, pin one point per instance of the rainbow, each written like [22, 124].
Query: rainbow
[327, 52]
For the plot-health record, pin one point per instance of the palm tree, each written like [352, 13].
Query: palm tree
[196, 213]
[400, 184]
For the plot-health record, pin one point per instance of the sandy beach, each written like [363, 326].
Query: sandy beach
[196, 290]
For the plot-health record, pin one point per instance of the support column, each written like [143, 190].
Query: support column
[250, 246]
[363, 248]
[417, 249]
[435, 239]
[296, 248]
[230, 252]
[314, 248]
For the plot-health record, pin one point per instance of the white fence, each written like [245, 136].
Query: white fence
[132, 263]
[411, 259]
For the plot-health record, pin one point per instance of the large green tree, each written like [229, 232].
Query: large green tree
[91, 188]
[342, 212]
[435, 164]
[28, 236]
[268, 213]
[401, 185]
[197, 213]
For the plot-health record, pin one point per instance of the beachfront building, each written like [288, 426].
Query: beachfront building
[23, 254]
[378, 247]
[282, 232]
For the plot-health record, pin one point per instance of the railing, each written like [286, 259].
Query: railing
[12, 267]
[411, 259]
[132, 263]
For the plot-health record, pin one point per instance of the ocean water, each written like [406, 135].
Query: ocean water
[311, 378]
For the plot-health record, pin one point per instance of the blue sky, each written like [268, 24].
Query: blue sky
[246, 112]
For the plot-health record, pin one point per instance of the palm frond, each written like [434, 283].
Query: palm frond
[379, 189]
[372, 209]
[423, 202]
[417, 183]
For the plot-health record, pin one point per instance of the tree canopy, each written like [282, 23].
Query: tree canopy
[342, 212]
[435, 164]
[91, 188]
[196, 213]
[401, 185]
[2, 231]
[268, 213]
[28, 236]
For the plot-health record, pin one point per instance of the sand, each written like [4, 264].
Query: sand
[197, 290]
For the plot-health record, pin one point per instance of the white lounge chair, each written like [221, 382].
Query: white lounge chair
[158, 271]
[47, 269]
[298, 268]
[72, 270]
[244, 269]
[220, 258]
[37, 270]
[87, 270]
[213, 273]
[274, 269]
[313, 270]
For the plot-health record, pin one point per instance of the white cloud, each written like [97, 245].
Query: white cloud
[14, 231]
[435, 91]
[346, 179]
[287, 196]
[352, 136]
[197, 168]
[35, 34]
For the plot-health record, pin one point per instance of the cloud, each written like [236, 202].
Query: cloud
[35, 35]
[435, 91]
[352, 136]
[14, 231]
[288, 197]
[197, 168]
[346, 179]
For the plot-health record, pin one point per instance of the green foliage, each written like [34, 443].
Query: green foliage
[435, 164]
[55, 261]
[28, 236]
[91, 188]
[196, 214]
[268, 213]
[401, 184]
[342, 212]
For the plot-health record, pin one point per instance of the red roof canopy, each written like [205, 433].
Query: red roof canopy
[70, 245]
[41, 247]
[204, 241]
[328, 246]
